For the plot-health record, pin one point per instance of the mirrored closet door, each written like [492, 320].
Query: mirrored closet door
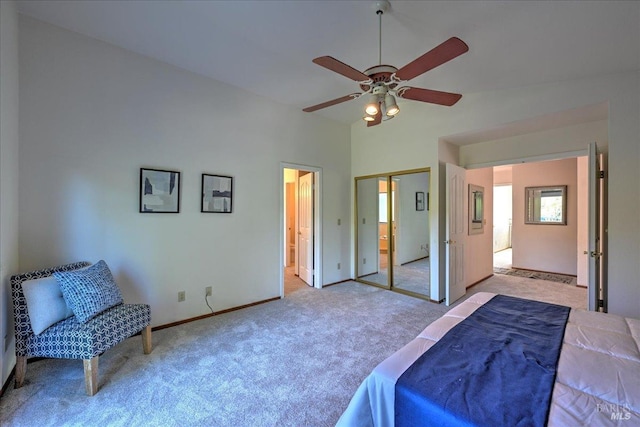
[392, 228]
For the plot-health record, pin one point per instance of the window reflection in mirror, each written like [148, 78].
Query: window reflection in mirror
[546, 205]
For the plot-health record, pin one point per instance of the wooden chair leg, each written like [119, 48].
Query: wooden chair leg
[91, 375]
[146, 339]
[21, 370]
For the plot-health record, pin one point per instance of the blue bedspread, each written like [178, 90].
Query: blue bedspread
[495, 368]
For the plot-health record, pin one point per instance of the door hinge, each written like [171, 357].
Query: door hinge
[601, 174]
[600, 303]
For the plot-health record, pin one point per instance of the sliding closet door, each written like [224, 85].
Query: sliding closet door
[392, 231]
[411, 268]
[371, 229]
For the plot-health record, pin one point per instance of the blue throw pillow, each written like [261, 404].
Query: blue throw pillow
[90, 291]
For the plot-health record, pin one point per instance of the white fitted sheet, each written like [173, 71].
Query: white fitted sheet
[597, 384]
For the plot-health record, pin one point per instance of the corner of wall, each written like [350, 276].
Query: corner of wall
[8, 177]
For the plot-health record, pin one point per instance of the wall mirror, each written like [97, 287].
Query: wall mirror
[546, 205]
[392, 231]
[476, 209]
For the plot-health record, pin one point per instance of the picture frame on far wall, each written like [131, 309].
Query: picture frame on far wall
[159, 191]
[217, 194]
[419, 200]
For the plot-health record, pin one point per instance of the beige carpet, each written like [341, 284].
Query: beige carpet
[540, 290]
[292, 283]
[292, 362]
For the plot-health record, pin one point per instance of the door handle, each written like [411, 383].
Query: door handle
[450, 242]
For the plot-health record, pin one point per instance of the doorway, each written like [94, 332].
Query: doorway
[300, 226]
[502, 219]
[556, 252]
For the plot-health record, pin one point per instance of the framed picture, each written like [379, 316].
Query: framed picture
[419, 200]
[217, 194]
[159, 191]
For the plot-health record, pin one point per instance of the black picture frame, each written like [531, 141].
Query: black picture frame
[216, 194]
[159, 191]
[419, 200]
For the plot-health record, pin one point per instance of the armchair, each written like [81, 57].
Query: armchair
[70, 338]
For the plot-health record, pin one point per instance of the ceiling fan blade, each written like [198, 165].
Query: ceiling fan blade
[428, 95]
[341, 68]
[437, 56]
[377, 121]
[332, 102]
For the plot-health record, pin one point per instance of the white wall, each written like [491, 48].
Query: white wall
[559, 140]
[92, 114]
[411, 141]
[478, 249]
[9, 95]
[551, 248]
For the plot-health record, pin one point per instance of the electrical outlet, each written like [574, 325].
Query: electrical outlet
[338, 266]
[339, 221]
[181, 296]
[207, 291]
[364, 260]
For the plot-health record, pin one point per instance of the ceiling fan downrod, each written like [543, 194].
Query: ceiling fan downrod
[380, 7]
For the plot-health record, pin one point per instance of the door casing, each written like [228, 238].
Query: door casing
[317, 223]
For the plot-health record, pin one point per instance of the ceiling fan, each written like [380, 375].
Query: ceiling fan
[380, 82]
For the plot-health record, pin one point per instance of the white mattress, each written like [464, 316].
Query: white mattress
[597, 384]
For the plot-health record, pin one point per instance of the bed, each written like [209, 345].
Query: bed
[597, 382]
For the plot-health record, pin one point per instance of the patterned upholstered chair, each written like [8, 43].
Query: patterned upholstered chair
[70, 338]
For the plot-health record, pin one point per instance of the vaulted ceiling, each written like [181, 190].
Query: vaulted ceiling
[266, 47]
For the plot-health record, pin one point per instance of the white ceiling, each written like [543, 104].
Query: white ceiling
[266, 47]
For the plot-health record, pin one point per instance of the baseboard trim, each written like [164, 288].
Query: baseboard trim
[415, 260]
[217, 313]
[337, 283]
[481, 280]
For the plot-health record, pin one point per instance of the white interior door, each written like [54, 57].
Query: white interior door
[596, 241]
[305, 228]
[455, 232]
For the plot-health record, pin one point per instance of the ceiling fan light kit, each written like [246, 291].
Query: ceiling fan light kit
[372, 107]
[381, 81]
[390, 103]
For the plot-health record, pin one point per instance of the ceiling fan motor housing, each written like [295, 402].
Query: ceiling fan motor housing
[380, 74]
